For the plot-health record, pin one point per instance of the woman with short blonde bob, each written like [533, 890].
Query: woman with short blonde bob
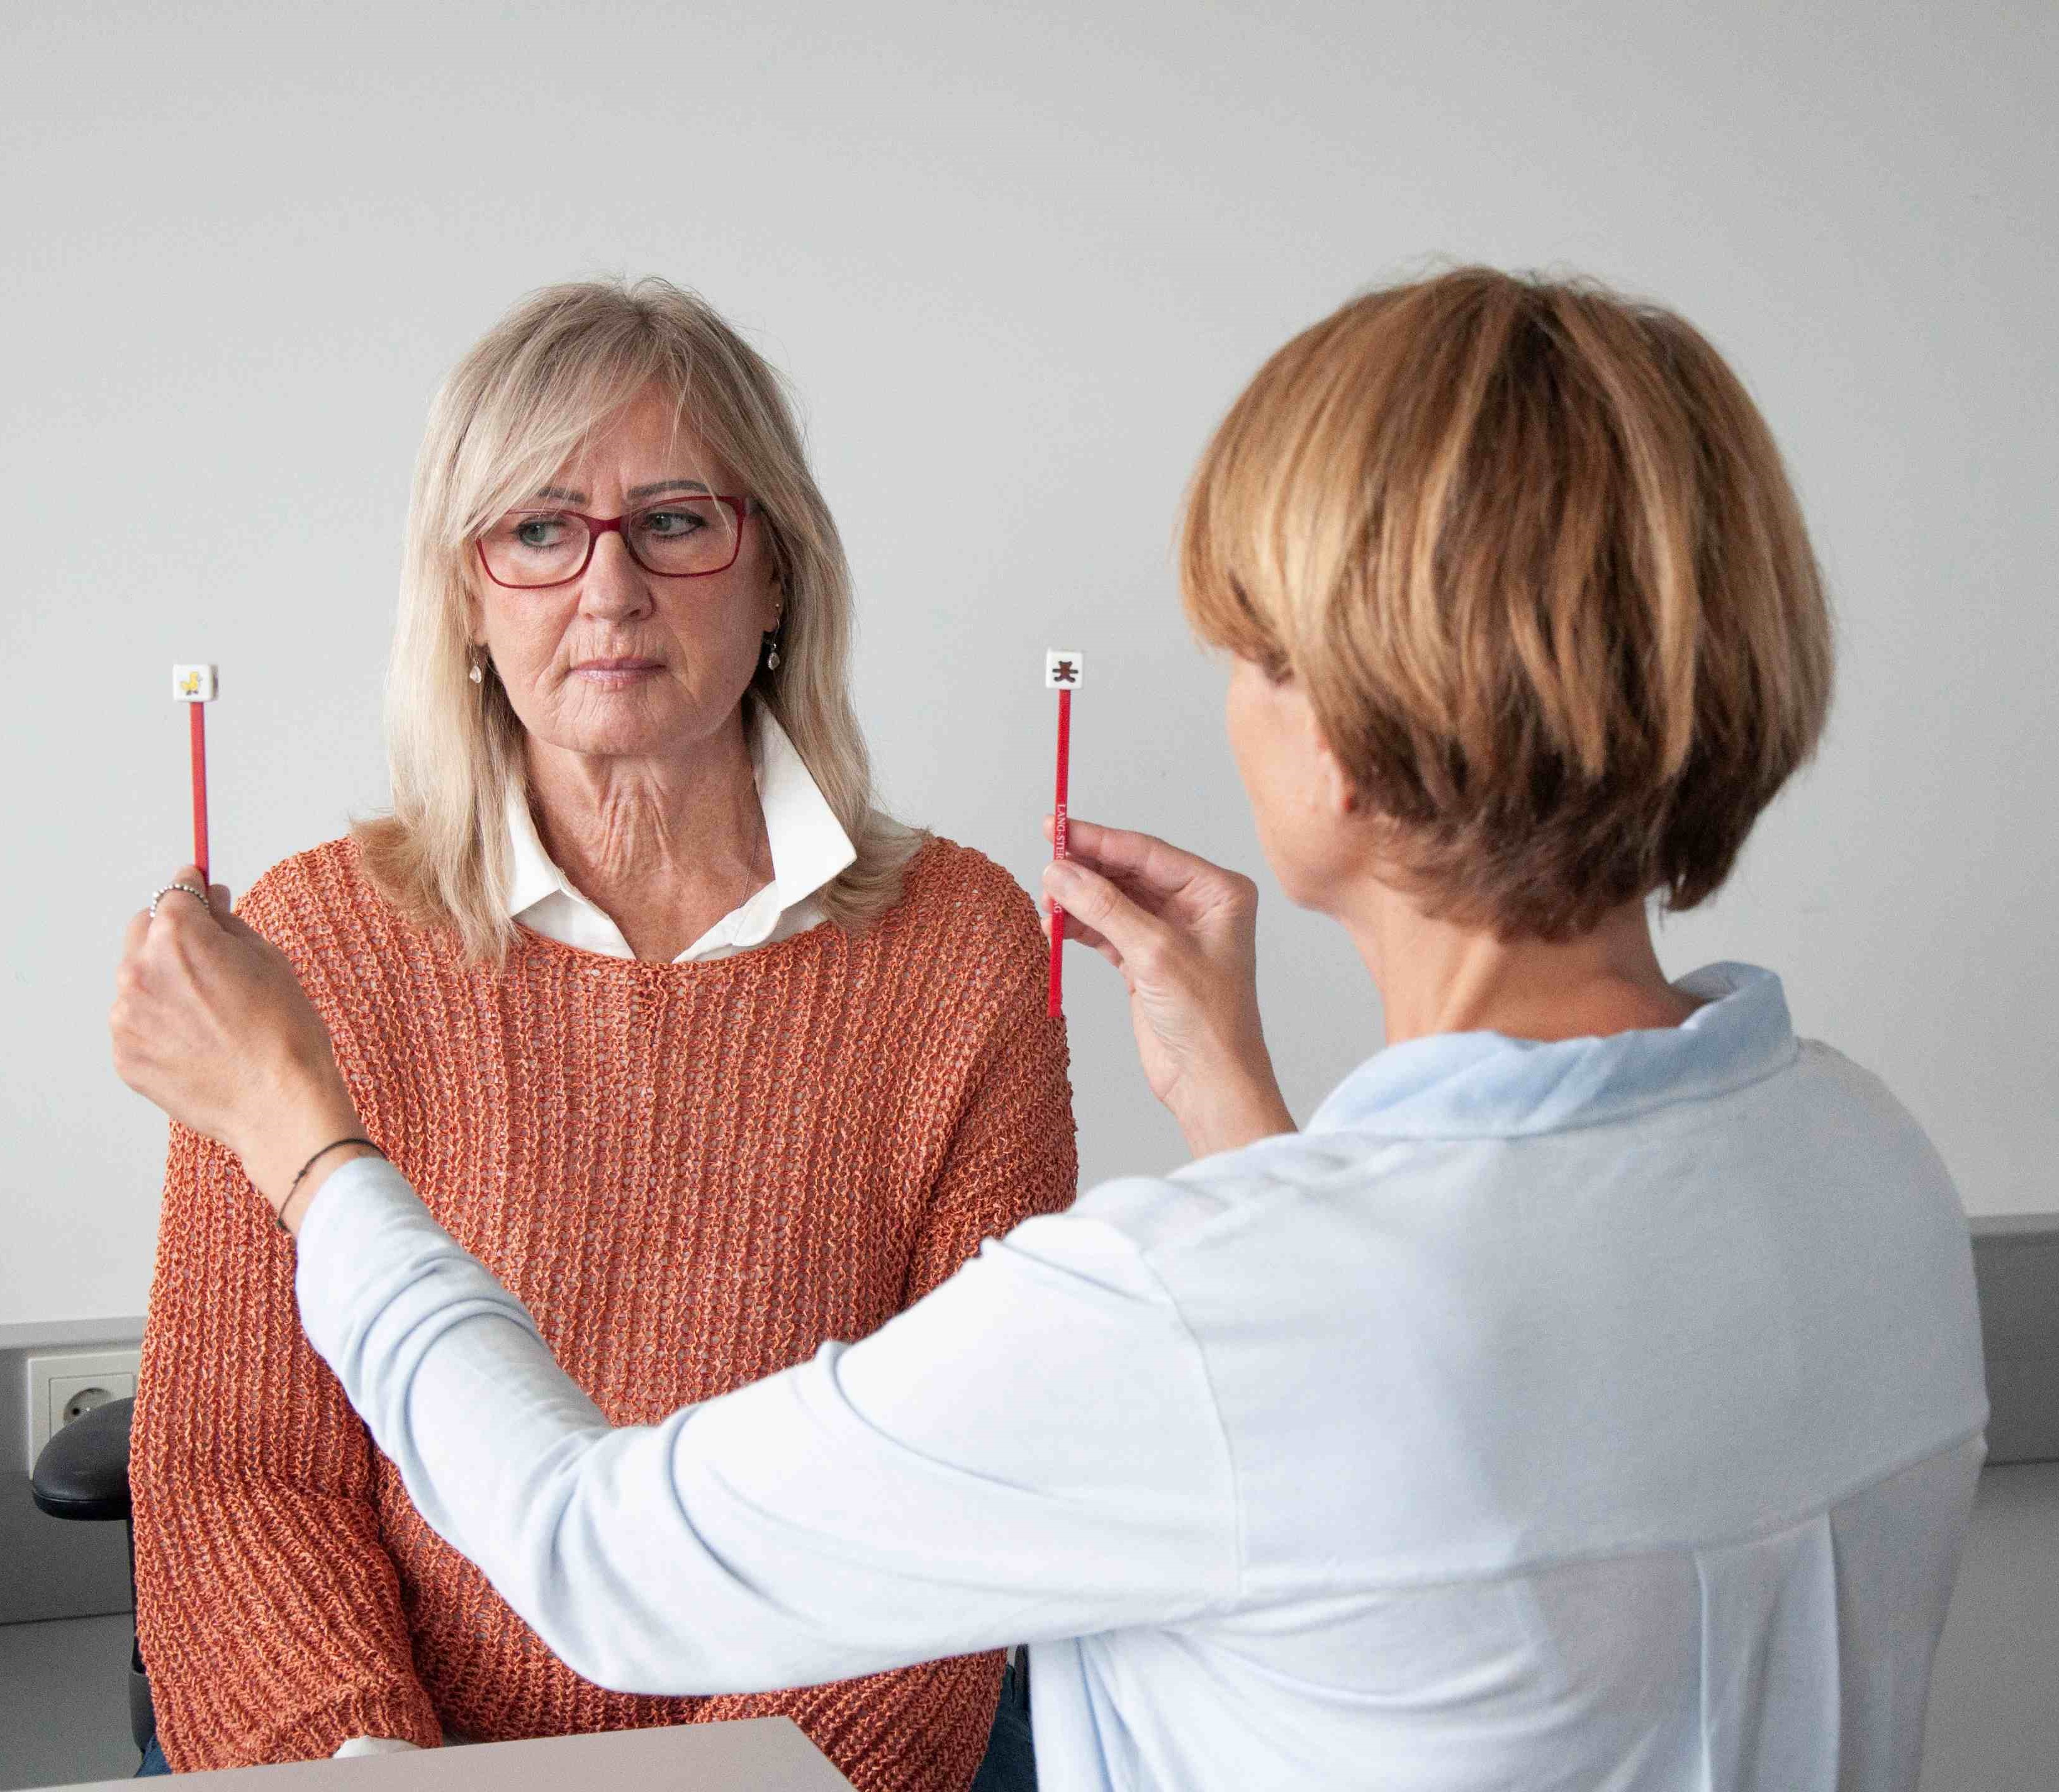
[1589, 1394]
[707, 1056]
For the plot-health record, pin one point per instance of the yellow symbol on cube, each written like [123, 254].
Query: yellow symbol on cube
[194, 684]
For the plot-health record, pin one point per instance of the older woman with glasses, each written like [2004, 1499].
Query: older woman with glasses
[708, 1057]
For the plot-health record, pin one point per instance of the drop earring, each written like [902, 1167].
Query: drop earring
[478, 673]
[772, 649]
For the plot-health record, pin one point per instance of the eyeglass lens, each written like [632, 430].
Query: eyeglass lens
[682, 537]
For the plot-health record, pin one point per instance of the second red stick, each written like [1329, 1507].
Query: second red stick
[1059, 851]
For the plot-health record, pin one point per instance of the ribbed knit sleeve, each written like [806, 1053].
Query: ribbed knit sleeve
[267, 1612]
[1014, 1153]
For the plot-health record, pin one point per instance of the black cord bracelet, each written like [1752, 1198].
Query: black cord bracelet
[278, 1212]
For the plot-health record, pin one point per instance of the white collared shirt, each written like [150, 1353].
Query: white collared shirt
[809, 849]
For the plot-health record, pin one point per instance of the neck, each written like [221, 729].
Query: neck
[665, 847]
[1435, 976]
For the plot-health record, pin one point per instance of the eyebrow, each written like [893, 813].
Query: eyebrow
[559, 495]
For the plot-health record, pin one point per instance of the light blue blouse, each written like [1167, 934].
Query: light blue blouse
[1603, 1412]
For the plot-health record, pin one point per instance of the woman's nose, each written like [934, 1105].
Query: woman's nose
[615, 585]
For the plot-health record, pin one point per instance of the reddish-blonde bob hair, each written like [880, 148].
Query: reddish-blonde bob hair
[1530, 549]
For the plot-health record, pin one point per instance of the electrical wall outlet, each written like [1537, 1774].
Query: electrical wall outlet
[63, 1388]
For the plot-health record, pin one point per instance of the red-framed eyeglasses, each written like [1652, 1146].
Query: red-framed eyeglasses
[686, 536]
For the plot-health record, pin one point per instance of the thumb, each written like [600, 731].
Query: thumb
[225, 915]
[237, 928]
[1089, 896]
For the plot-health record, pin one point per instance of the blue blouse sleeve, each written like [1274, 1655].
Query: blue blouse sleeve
[1031, 1452]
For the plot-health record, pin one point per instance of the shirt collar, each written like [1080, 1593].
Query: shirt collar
[1457, 1085]
[531, 875]
[810, 848]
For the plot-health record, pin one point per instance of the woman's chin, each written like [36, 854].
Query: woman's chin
[625, 728]
[619, 743]
[638, 717]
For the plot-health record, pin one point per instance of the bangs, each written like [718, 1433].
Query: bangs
[543, 407]
[1227, 603]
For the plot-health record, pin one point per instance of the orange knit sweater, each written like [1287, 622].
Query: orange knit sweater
[693, 1175]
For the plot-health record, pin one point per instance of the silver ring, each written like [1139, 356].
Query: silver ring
[185, 888]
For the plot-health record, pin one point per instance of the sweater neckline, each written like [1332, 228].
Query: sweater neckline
[541, 946]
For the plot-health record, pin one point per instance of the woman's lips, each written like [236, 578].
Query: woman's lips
[615, 675]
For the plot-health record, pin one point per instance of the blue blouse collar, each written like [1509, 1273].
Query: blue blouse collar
[1455, 1085]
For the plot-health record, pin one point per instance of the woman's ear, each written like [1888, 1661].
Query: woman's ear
[1341, 801]
[1336, 791]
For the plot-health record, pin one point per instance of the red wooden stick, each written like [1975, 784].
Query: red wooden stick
[200, 786]
[1059, 850]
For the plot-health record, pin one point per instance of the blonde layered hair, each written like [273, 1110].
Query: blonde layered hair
[1531, 550]
[547, 378]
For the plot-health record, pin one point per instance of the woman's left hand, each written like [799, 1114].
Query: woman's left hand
[211, 1024]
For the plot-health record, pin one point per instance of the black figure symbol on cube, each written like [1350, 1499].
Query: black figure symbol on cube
[1063, 671]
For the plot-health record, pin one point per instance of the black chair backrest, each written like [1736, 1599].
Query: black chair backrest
[83, 1471]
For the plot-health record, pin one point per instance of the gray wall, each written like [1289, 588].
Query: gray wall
[1018, 260]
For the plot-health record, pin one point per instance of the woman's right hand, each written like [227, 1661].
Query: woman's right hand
[1183, 933]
